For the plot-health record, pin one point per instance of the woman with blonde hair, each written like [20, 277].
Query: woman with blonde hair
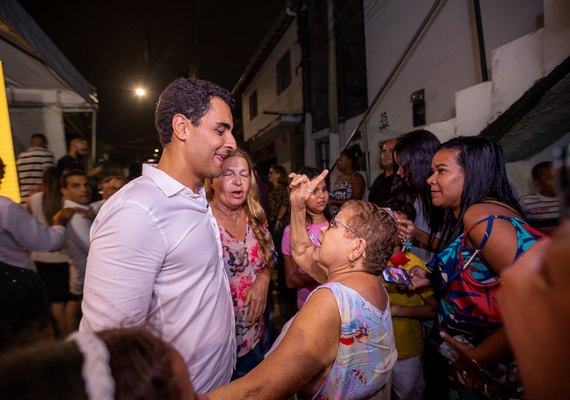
[247, 249]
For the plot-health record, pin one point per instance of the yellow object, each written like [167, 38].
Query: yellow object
[9, 186]
[407, 331]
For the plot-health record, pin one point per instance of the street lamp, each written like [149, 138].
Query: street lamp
[140, 92]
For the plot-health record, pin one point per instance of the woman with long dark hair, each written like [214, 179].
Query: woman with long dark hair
[484, 231]
[412, 162]
[53, 267]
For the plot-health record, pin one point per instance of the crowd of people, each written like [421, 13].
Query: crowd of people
[434, 286]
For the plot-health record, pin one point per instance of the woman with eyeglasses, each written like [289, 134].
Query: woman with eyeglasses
[340, 345]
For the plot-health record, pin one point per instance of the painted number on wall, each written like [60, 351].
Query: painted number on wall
[383, 121]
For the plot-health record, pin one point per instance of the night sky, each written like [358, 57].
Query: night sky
[118, 45]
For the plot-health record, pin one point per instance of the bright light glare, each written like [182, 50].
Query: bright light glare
[140, 92]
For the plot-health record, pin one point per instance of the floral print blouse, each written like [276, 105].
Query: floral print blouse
[243, 265]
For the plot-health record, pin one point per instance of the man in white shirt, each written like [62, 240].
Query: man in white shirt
[76, 192]
[155, 256]
[542, 208]
[109, 186]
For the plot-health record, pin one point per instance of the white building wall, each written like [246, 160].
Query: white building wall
[444, 61]
[265, 83]
[25, 121]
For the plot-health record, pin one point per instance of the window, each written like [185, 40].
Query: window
[253, 105]
[284, 72]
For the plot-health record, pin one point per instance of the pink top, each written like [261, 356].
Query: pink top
[314, 233]
[243, 265]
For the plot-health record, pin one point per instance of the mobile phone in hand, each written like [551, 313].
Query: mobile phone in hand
[396, 275]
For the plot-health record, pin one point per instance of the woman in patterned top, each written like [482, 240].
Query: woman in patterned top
[484, 232]
[340, 345]
[350, 184]
[247, 251]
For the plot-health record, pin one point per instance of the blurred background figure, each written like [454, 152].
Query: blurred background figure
[263, 190]
[31, 165]
[381, 189]
[21, 233]
[247, 252]
[53, 267]
[316, 219]
[120, 364]
[350, 185]
[542, 208]
[76, 193]
[76, 158]
[278, 219]
[535, 302]
[109, 186]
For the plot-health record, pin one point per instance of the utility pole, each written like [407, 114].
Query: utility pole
[332, 89]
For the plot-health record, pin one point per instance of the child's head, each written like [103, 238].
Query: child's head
[402, 208]
[543, 178]
[317, 202]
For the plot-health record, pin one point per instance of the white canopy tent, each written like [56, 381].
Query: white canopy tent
[41, 84]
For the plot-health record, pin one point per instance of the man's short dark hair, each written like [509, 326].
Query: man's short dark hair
[540, 169]
[189, 97]
[68, 174]
[38, 136]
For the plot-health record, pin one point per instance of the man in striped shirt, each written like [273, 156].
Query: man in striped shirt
[31, 165]
[542, 209]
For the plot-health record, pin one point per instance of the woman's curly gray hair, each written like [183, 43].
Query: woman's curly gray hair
[378, 227]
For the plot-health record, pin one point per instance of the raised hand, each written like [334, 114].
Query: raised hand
[302, 188]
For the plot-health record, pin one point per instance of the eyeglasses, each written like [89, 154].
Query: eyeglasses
[391, 214]
[336, 221]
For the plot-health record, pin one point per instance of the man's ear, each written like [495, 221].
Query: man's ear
[180, 127]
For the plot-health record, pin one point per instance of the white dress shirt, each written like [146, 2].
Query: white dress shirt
[156, 258]
[77, 247]
[21, 232]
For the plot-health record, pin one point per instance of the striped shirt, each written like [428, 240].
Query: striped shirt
[30, 166]
[542, 212]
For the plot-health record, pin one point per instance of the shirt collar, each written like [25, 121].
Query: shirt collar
[71, 203]
[167, 184]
